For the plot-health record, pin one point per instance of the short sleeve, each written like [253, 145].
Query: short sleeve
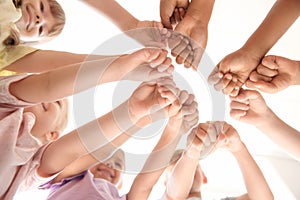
[7, 100]
[13, 53]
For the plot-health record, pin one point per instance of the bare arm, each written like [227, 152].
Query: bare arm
[282, 134]
[115, 12]
[282, 15]
[257, 186]
[66, 81]
[45, 60]
[155, 165]
[83, 163]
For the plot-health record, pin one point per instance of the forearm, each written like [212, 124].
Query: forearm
[201, 10]
[282, 134]
[45, 60]
[66, 81]
[155, 165]
[256, 185]
[86, 139]
[282, 15]
[115, 12]
[296, 78]
[85, 162]
[179, 184]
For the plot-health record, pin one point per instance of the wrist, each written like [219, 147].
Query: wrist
[252, 51]
[296, 78]
[192, 153]
[238, 149]
[201, 11]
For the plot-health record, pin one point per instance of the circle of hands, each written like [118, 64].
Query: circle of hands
[186, 39]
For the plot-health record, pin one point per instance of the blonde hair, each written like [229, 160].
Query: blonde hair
[58, 14]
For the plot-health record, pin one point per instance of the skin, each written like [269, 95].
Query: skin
[36, 21]
[274, 74]
[246, 59]
[250, 107]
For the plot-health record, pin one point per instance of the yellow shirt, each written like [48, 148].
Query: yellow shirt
[9, 54]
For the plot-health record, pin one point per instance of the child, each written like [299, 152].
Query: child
[45, 60]
[24, 22]
[31, 130]
[250, 107]
[188, 185]
[243, 61]
[274, 73]
[170, 136]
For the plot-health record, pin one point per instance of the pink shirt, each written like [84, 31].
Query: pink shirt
[85, 187]
[20, 151]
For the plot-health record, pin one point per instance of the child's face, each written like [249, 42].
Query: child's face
[48, 116]
[36, 21]
[110, 169]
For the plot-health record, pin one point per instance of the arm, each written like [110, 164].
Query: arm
[179, 184]
[281, 16]
[94, 135]
[163, 151]
[83, 163]
[256, 184]
[66, 81]
[45, 60]
[115, 12]
[250, 107]
[155, 165]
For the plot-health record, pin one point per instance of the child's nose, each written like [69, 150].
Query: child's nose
[38, 19]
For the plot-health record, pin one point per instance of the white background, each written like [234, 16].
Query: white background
[231, 24]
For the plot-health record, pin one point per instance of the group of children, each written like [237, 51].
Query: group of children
[34, 107]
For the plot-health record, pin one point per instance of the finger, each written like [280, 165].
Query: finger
[237, 114]
[223, 82]
[215, 76]
[267, 87]
[255, 76]
[188, 61]
[183, 96]
[183, 55]
[264, 71]
[186, 110]
[165, 65]
[197, 57]
[270, 62]
[190, 99]
[182, 13]
[176, 50]
[212, 132]
[174, 40]
[234, 105]
[159, 59]
[191, 116]
[177, 15]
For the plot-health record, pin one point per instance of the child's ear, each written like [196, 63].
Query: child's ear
[53, 135]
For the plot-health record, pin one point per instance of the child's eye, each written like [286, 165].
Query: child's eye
[42, 7]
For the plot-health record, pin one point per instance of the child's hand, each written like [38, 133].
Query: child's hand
[274, 74]
[208, 132]
[195, 142]
[249, 107]
[229, 139]
[150, 34]
[188, 115]
[145, 72]
[150, 97]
